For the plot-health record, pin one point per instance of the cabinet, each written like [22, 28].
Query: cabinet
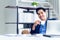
[10, 20]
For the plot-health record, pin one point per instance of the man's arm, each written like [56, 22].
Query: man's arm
[35, 24]
[34, 27]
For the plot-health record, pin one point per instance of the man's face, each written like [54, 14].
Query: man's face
[41, 14]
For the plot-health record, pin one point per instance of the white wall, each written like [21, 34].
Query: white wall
[59, 9]
[55, 4]
[3, 4]
[2, 21]
[10, 16]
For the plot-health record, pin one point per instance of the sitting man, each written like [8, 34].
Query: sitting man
[39, 27]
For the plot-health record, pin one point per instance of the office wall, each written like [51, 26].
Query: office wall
[3, 4]
[59, 9]
[55, 4]
[2, 19]
[10, 17]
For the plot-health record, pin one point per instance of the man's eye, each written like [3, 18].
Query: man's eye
[41, 12]
[38, 14]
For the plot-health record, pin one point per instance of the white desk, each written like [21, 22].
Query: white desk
[26, 37]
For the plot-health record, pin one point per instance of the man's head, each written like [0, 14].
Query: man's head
[41, 13]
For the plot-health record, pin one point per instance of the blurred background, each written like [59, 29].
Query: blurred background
[8, 15]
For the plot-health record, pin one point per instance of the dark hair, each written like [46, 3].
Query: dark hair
[40, 9]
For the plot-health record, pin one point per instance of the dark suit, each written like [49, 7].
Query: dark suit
[39, 29]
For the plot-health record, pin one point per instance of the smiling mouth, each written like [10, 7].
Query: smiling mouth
[41, 16]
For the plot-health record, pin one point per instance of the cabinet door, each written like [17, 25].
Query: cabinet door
[11, 29]
[10, 15]
[10, 20]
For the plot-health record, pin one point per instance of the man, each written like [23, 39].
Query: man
[40, 26]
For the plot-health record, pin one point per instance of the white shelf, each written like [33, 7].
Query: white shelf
[31, 0]
[41, 4]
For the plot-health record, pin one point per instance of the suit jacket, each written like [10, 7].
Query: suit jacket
[39, 29]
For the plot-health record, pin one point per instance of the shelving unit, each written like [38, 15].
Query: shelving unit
[28, 10]
[17, 16]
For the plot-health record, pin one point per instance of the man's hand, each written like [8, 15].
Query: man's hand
[35, 24]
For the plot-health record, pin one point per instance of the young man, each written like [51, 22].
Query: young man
[40, 26]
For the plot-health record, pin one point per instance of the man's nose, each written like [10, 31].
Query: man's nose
[40, 14]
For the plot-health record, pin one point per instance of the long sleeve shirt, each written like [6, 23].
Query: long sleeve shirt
[39, 29]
